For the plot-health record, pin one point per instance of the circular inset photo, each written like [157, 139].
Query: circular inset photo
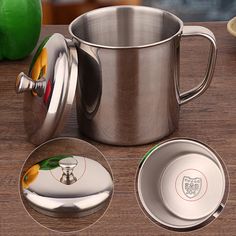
[66, 184]
[182, 184]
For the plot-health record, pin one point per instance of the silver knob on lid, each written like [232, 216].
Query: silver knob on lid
[25, 83]
[50, 88]
[68, 165]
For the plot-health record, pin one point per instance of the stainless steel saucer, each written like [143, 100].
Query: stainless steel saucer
[182, 184]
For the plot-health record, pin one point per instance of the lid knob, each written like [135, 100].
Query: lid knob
[25, 83]
[68, 165]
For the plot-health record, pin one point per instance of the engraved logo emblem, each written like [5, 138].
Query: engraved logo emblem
[191, 186]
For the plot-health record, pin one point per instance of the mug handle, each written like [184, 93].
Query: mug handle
[189, 31]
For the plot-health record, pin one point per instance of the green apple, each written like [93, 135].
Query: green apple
[20, 25]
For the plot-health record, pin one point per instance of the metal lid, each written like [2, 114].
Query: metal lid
[67, 186]
[49, 88]
[182, 184]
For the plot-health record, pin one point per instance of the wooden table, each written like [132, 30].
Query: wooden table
[64, 13]
[211, 119]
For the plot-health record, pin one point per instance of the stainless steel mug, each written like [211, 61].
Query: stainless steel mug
[128, 90]
[123, 67]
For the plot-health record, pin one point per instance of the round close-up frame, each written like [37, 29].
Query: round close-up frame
[187, 212]
[55, 159]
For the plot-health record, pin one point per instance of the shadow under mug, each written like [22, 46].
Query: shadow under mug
[128, 88]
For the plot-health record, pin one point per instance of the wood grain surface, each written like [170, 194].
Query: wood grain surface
[210, 119]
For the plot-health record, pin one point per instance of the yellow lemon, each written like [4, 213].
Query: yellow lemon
[40, 66]
[30, 176]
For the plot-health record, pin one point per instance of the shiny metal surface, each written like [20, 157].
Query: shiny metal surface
[67, 165]
[49, 89]
[25, 83]
[67, 186]
[182, 184]
[199, 31]
[128, 89]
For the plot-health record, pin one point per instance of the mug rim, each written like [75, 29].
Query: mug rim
[125, 47]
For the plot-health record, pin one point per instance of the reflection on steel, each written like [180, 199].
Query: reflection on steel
[125, 76]
[76, 186]
[128, 89]
[68, 165]
[182, 184]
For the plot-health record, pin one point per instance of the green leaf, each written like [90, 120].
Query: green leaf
[51, 163]
[39, 50]
[148, 154]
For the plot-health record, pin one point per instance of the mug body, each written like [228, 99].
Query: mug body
[127, 92]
